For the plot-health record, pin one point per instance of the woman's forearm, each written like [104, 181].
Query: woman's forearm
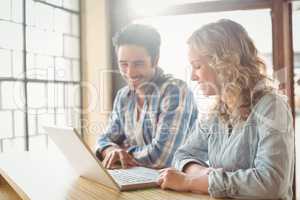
[198, 184]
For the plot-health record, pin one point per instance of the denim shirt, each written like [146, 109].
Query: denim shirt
[168, 113]
[255, 161]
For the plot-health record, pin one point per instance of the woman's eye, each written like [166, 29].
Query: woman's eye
[197, 66]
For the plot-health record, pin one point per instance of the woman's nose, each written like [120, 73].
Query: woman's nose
[194, 76]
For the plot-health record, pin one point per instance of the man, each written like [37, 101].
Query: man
[152, 114]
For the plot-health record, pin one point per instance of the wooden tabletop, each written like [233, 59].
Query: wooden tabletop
[7, 192]
[48, 176]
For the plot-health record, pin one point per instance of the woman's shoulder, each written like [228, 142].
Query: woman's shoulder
[271, 100]
[273, 111]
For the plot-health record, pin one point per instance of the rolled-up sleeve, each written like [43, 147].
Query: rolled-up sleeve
[195, 148]
[272, 172]
[178, 113]
[114, 132]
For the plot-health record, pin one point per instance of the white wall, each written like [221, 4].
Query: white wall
[95, 62]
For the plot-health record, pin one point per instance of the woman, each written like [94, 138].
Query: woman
[246, 148]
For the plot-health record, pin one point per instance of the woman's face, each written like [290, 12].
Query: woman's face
[202, 73]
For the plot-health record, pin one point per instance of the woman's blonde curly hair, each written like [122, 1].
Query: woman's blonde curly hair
[240, 71]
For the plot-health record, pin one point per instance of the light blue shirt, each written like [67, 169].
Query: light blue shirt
[255, 161]
[169, 111]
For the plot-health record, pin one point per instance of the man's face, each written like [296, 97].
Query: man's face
[135, 65]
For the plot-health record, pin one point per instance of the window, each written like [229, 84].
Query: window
[176, 29]
[43, 86]
[296, 44]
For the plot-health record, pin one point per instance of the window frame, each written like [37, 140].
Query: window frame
[25, 80]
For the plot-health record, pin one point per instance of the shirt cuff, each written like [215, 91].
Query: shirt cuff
[131, 149]
[183, 163]
[217, 186]
[99, 149]
[140, 155]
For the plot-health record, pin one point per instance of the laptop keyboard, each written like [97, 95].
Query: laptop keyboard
[134, 175]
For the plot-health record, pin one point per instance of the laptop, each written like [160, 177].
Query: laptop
[83, 160]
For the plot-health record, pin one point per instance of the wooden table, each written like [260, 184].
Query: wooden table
[6, 192]
[48, 176]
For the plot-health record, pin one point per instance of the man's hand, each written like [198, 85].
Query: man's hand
[112, 155]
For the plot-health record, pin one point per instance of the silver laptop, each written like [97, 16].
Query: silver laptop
[88, 166]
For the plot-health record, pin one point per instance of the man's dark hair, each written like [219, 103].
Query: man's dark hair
[140, 35]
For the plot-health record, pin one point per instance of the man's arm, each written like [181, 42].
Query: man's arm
[109, 146]
[113, 133]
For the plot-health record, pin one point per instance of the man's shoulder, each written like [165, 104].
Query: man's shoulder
[122, 95]
[175, 81]
[173, 84]
[123, 92]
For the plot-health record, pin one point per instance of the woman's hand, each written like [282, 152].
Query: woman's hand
[174, 179]
[182, 182]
